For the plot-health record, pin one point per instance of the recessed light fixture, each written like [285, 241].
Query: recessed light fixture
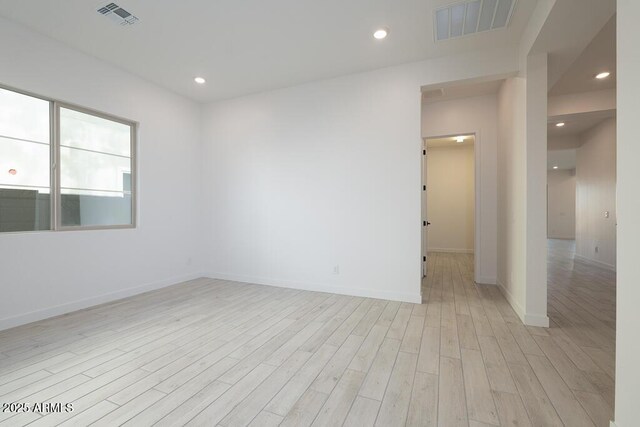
[603, 75]
[200, 80]
[561, 124]
[381, 33]
[555, 167]
[459, 139]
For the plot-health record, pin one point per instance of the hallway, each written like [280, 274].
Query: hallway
[563, 375]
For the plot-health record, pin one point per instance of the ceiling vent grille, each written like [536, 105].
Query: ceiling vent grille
[118, 14]
[472, 16]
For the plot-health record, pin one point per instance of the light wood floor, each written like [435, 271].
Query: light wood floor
[216, 353]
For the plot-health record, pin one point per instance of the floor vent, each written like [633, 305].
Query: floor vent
[472, 16]
[118, 14]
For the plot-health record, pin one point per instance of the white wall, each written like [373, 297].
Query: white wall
[562, 143]
[327, 174]
[477, 115]
[596, 194]
[537, 72]
[284, 203]
[451, 198]
[627, 411]
[584, 102]
[46, 273]
[561, 204]
[522, 166]
[511, 192]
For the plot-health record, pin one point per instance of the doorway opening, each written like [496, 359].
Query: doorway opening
[468, 109]
[449, 196]
[581, 213]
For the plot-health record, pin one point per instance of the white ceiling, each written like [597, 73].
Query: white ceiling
[563, 159]
[249, 46]
[576, 124]
[599, 56]
[568, 29]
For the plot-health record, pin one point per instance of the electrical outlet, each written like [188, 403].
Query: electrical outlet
[336, 269]
[606, 214]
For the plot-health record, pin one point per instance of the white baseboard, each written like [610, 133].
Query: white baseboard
[529, 319]
[450, 250]
[595, 263]
[539, 320]
[357, 292]
[512, 301]
[486, 280]
[46, 313]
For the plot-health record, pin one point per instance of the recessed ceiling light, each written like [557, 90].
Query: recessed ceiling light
[459, 138]
[200, 80]
[555, 167]
[381, 33]
[561, 124]
[603, 75]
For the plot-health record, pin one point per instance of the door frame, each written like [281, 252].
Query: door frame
[423, 208]
[477, 230]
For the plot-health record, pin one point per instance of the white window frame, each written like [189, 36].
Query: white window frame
[54, 167]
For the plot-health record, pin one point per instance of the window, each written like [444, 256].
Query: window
[79, 176]
[25, 159]
[95, 154]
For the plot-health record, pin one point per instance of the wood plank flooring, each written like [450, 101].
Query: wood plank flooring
[218, 353]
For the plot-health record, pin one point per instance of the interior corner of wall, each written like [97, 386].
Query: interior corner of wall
[486, 280]
[527, 319]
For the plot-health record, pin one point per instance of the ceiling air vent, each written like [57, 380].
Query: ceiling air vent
[472, 16]
[118, 14]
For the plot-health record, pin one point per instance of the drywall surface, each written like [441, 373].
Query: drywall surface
[561, 204]
[585, 102]
[48, 273]
[627, 411]
[596, 195]
[319, 186]
[477, 115]
[451, 199]
[536, 190]
[511, 192]
[568, 142]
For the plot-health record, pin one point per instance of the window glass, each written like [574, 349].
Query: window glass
[24, 117]
[25, 193]
[81, 130]
[95, 159]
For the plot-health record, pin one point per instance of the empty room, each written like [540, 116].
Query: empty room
[286, 213]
